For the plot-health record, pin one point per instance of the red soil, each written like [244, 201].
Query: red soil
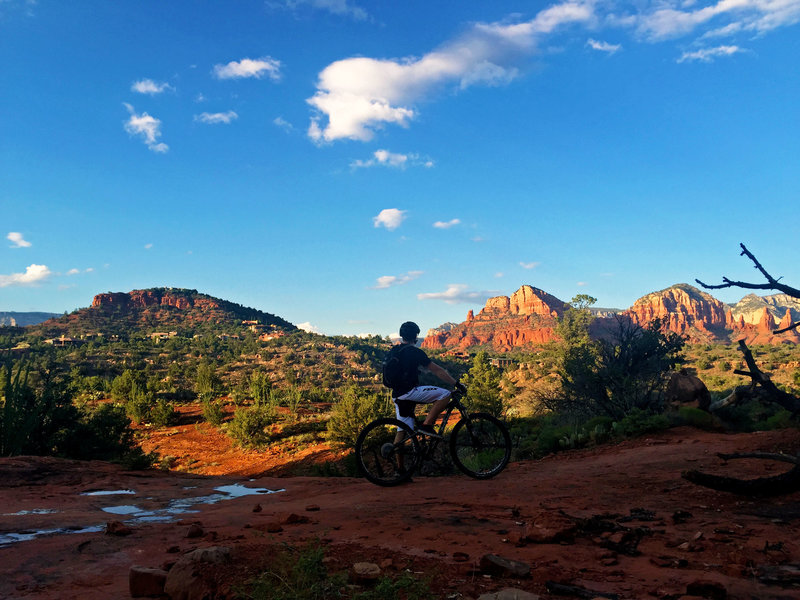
[440, 526]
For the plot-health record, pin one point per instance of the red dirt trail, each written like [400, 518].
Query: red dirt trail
[535, 512]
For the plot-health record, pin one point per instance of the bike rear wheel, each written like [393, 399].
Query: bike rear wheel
[387, 452]
[480, 445]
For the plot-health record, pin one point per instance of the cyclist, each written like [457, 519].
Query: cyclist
[407, 393]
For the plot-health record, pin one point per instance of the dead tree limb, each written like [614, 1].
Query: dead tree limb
[786, 400]
[789, 328]
[785, 483]
[772, 283]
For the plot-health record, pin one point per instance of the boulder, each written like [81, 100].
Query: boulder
[185, 579]
[145, 582]
[499, 566]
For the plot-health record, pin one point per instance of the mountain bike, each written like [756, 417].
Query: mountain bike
[388, 451]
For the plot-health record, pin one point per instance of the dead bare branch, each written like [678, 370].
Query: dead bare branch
[789, 328]
[772, 283]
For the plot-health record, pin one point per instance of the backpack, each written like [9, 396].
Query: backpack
[393, 373]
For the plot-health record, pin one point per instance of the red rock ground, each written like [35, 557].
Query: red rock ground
[439, 526]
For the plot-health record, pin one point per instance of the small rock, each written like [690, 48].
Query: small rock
[195, 531]
[707, 589]
[460, 556]
[312, 507]
[274, 527]
[365, 572]
[295, 519]
[144, 582]
[173, 549]
[499, 566]
[185, 580]
[257, 508]
[117, 528]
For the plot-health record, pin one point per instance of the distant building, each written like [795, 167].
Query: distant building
[502, 363]
[63, 341]
[160, 336]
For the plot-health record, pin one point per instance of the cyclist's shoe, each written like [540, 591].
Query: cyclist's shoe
[428, 430]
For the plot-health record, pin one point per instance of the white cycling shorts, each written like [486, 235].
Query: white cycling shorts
[422, 394]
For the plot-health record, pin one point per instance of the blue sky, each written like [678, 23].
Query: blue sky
[350, 165]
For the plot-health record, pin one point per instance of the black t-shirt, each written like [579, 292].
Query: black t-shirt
[411, 358]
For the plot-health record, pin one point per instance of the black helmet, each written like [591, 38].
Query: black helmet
[409, 331]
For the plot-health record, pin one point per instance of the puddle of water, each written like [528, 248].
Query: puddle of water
[177, 506]
[24, 536]
[35, 511]
[107, 492]
[128, 509]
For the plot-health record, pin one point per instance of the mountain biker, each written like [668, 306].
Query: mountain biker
[409, 393]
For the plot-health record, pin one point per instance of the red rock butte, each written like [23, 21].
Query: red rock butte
[530, 315]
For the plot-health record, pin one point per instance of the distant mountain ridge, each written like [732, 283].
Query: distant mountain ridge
[160, 309]
[23, 319]
[529, 317]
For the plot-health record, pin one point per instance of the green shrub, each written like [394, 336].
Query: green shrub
[695, 417]
[163, 413]
[638, 422]
[248, 427]
[353, 411]
[212, 411]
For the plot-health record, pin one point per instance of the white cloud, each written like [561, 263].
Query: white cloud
[248, 67]
[148, 86]
[388, 281]
[73, 271]
[148, 246]
[147, 128]
[385, 158]
[391, 218]
[709, 54]
[447, 224]
[457, 293]
[215, 118]
[668, 20]
[603, 46]
[343, 8]
[529, 265]
[499, 274]
[15, 237]
[308, 327]
[283, 124]
[360, 95]
[33, 275]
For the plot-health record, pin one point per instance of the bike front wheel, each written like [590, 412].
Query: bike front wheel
[480, 445]
[387, 452]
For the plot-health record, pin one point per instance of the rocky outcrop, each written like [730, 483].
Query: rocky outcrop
[529, 316]
[143, 299]
[526, 317]
[684, 310]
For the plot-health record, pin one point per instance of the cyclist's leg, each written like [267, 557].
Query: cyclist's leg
[437, 397]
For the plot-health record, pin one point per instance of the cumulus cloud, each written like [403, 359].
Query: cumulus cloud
[308, 327]
[148, 86]
[447, 224]
[247, 67]
[391, 218]
[457, 293]
[529, 265]
[147, 128]
[385, 158]
[33, 275]
[215, 118]
[359, 95]
[708, 54]
[18, 241]
[388, 281]
[603, 46]
[73, 271]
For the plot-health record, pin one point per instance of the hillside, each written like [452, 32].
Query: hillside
[528, 318]
[23, 319]
[159, 309]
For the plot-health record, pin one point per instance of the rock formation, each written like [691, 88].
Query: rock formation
[528, 318]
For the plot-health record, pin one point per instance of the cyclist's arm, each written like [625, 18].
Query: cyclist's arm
[441, 373]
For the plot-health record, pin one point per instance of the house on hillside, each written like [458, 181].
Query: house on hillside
[160, 336]
[63, 341]
[502, 363]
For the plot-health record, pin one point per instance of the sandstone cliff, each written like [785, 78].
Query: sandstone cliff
[528, 318]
